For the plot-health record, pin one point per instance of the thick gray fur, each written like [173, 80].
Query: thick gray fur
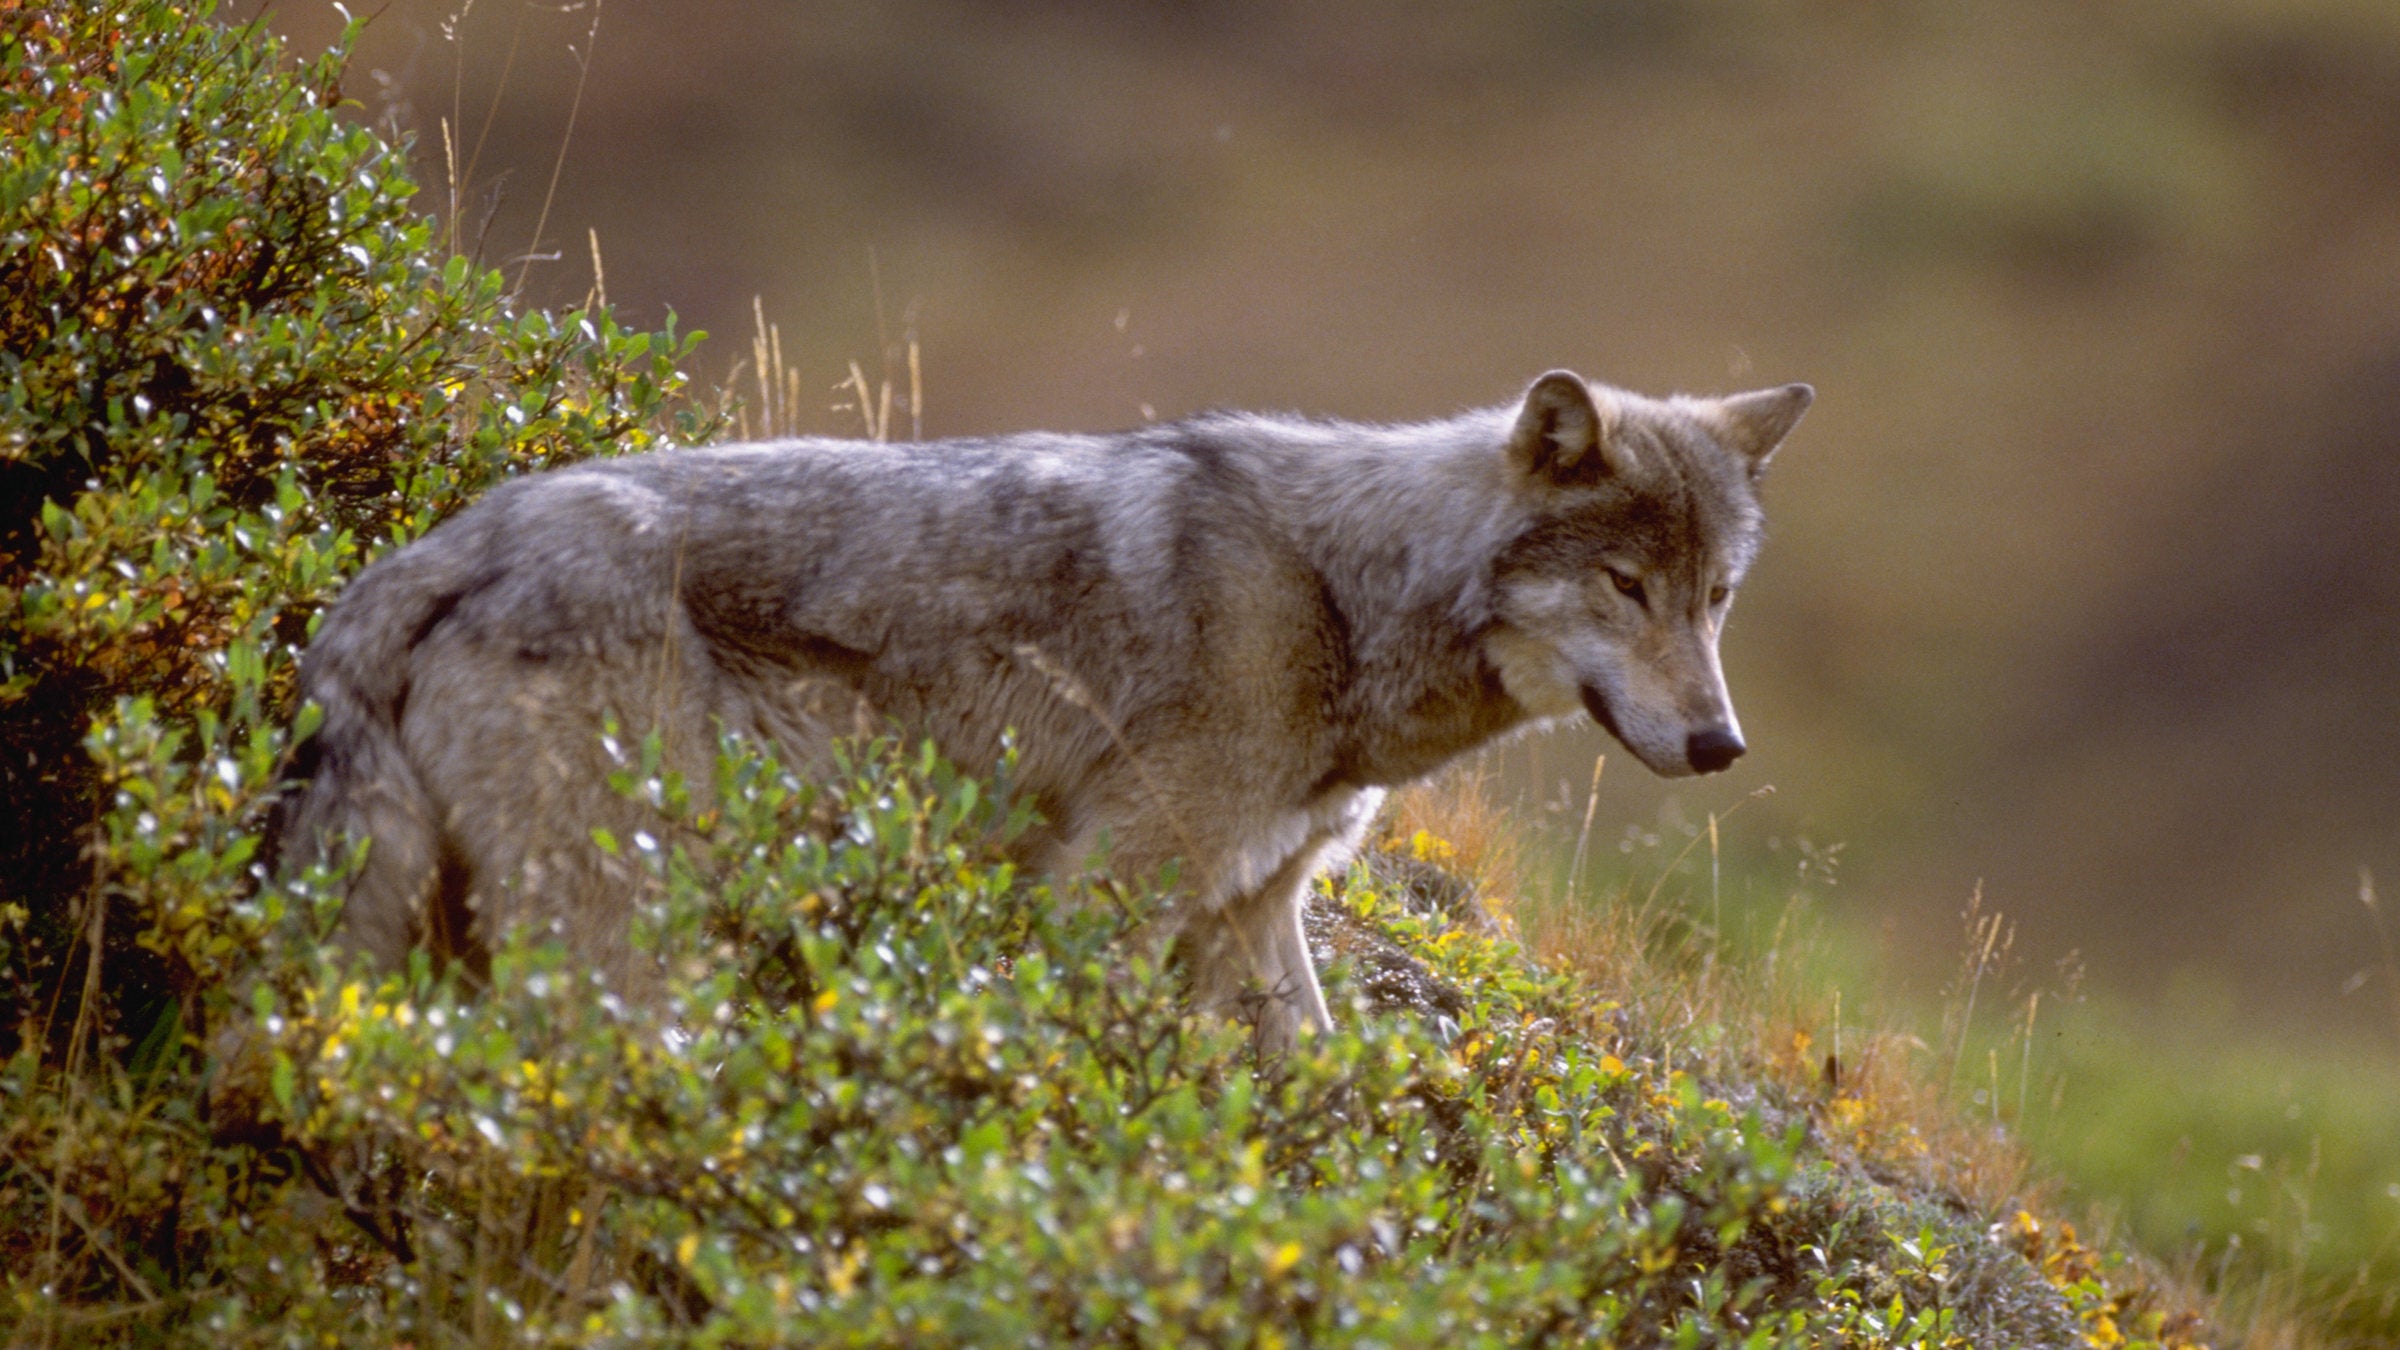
[1217, 641]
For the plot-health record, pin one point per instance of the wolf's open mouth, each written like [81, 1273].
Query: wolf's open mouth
[1597, 705]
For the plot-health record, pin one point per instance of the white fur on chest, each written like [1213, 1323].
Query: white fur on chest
[1331, 827]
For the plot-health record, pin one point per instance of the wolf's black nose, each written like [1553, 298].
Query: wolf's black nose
[1712, 749]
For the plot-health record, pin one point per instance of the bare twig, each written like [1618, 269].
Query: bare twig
[583, 71]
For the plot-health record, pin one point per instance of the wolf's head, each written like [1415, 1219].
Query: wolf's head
[1645, 519]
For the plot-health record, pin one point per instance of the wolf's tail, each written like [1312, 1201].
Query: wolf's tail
[360, 784]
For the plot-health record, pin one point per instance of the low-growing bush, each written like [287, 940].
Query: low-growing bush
[234, 366]
[900, 1095]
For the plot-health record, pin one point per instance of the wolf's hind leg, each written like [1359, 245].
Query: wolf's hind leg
[513, 751]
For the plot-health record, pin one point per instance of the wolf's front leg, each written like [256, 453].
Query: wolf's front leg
[1257, 938]
[1251, 949]
[1289, 976]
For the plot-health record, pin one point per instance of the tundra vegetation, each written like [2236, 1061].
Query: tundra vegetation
[899, 1094]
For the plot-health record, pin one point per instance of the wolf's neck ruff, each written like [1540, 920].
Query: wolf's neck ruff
[1248, 627]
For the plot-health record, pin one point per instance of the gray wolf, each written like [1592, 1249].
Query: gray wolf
[1216, 642]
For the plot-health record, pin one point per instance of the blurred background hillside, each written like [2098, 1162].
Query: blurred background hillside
[2081, 584]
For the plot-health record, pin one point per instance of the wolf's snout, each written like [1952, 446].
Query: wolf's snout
[1713, 748]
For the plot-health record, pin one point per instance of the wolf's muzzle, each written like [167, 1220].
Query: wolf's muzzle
[1713, 748]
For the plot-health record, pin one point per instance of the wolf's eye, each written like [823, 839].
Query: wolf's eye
[1717, 594]
[1626, 584]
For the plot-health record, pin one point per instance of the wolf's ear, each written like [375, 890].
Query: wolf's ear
[1754, 424]
[1562, 435]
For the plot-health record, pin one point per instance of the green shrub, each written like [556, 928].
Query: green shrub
[233, 367]
[899, 1096]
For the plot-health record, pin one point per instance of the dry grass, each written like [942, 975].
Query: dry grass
[783, 410]
[1487, 847]
[1883, 1099]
